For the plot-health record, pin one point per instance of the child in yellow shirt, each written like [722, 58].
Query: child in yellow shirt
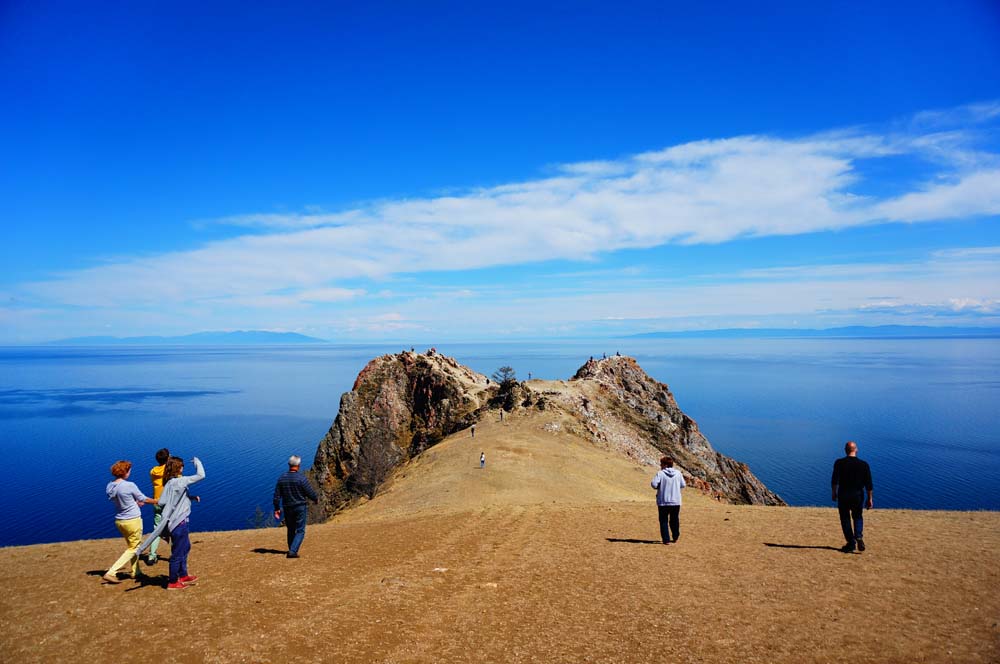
[156, 475]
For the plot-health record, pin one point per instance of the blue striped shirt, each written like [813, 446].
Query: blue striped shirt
[293, 489]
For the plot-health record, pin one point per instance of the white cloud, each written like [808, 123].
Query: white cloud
[329, 294]
[975, 194]
[709, 191]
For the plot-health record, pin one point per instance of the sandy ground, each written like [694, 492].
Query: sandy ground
[549, 554]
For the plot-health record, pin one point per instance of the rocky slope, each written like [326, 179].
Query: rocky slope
[402, 404]
[634, 412]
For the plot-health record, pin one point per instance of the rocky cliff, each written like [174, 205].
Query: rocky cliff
[402, 404]
[620, 404]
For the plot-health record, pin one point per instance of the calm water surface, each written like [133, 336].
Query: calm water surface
[924, 412]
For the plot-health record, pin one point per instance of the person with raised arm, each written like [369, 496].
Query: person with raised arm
[176, 501]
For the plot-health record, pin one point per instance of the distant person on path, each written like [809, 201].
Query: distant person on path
[292, 491]
[156, 477]
[668, 484]
[473, 430]
[128, 517]
[851, 479]
[176, 501]
[482, 459]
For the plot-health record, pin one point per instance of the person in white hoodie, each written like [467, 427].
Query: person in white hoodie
[668, 484]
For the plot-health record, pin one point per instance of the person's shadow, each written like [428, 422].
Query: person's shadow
[145, 580]
[263, 550]
[159, 581]
[800, 546]
[629, 540]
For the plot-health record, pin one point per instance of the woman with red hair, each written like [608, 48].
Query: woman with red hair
[128, 519]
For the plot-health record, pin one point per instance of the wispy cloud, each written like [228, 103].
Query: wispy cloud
[973, 194]
[704, 192]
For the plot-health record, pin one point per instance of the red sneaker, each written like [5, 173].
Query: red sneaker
[188, 580]
[176, 586]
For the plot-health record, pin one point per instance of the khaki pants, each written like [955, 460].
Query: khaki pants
[131, 530]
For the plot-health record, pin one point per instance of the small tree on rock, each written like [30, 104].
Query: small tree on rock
[505, 377]
[506, 381]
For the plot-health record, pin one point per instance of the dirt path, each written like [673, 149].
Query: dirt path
[549, 554]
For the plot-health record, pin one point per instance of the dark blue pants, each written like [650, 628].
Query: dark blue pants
[851, 508]
[180, 547]
[295, 522]
[670, 520]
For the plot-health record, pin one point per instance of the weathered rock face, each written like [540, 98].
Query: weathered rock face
[628, 400]
[402, 404]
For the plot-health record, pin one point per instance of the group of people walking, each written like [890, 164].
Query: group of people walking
[851, 486]
[171, 502]
[172, 510]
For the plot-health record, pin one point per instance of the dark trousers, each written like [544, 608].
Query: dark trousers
[295, 522]
[670, 520]
[851, 508]
[180, 547]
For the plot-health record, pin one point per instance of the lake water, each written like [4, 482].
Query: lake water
[924, 413]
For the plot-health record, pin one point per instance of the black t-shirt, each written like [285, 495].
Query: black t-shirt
[852, 475]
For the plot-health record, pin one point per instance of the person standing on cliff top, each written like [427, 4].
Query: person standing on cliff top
[851, 478]
[176, 500]
[292, 491]
[128, 519]
[668, 484]
[156, 477]
[482, 459]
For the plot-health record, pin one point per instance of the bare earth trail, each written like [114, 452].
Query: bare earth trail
[549, 554]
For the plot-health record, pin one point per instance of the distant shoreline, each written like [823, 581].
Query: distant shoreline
[264, 338]
[237, 338]
[849, 332]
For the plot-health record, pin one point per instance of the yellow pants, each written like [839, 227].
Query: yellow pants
[131, 530]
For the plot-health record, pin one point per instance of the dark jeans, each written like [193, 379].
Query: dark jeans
[180, 547]
[670, 520]
[851, 508]
[295, 522]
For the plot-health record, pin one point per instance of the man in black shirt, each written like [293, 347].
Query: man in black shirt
[851, 478]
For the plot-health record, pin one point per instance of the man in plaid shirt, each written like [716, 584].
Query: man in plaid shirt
[292, 491]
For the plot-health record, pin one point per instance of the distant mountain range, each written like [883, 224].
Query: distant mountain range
[853, 331]
[240, 337]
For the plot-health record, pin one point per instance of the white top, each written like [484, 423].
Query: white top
[668, 484]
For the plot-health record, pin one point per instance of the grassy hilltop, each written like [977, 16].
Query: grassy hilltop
[549, 554]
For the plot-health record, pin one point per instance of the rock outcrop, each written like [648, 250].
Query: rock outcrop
[632, 411]
[399, 406]
[402, 404]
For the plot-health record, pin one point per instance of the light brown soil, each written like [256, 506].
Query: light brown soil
[549, 554]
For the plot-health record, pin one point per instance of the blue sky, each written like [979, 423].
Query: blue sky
[435, 171]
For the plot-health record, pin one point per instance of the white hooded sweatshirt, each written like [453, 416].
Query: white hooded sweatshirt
[668, 484]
